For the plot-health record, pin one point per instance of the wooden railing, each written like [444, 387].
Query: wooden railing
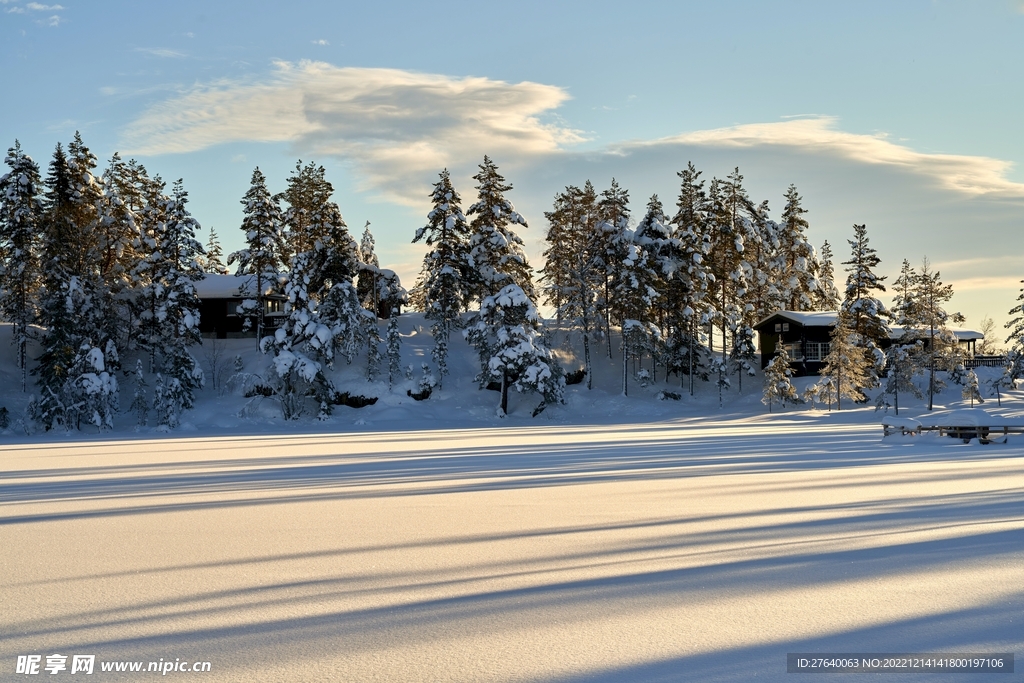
[984, 362]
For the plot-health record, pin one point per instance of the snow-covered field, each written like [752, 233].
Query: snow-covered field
[612, 539]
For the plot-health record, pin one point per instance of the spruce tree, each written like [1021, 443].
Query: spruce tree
[212, 262]
[393, 340]
[70, 303]
[497, 252]
[1015, 340]
[866, 315]
[827, 294]
[778, 386]
[847, 363]
[609, 249]
[971, 389]
[930, 319]
[687, 301]
[369, 272]
[573, 271]
[20, 217]
[797, 261]
[263, 257]
[447, 267]
[508, 327]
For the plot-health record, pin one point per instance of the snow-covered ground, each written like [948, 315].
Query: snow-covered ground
[611, 539]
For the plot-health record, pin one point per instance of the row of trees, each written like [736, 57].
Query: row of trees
[106, 264]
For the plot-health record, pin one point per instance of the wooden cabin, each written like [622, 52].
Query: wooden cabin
[806, 334]
[220, 296]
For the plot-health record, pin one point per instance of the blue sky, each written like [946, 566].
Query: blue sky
[904, 116]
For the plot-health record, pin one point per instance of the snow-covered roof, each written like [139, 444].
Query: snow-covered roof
[828, 319]
[215, 286]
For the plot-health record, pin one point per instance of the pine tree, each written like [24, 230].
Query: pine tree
[687, 300]
[1015, 340]
[394, 347]
[797, 261]
[899, 376]
[446, 267]
[573, 271]
[509, 328]
[634, 293]
[865, 313]
[777, 381]
[609, 248]
[497, 252]
[743, 355]
[930, 320]
[263, 257]
[847, 363]
[369, 272]
[20, 217]
[296, 346]
[70, 302]
[971, 389]
[212, 262]
[827, 294]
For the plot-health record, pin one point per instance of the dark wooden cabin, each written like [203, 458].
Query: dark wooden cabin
[806, 334]
[219, 297]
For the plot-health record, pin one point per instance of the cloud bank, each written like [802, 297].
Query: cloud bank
[393, 125]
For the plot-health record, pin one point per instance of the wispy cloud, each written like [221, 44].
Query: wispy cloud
[972, 175]
[395, 125]
[36, 7]
[321, 42]
[161, 52]
[15, 10]
[55, 20]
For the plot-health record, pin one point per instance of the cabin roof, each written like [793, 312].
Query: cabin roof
[828, 319]
[216, 286]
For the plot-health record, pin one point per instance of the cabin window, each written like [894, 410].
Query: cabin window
[794, 351]
[815, 351]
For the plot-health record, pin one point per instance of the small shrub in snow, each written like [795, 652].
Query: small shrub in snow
[426, 385]
[575, 377]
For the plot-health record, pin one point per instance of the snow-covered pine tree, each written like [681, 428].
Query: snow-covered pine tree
[446, 267]
[653, 236]
[743, 355]
[797, 261]
[297, 377]
[761, 250]
[394, 347]
[497, 252]
[847, 363]
[212, 261]
[20, 217]
[634, 293]
[971, 389]
[572, 271]
[178, 272]
[686, 303]
[1015, 340]
[931, 319]
[728, 201]
[609, 248]
[899, 377]
[119, 227]
[265, 251]
[866, 315]
[778, 385]
[826, 296]
[509, 328]
[70, 306]
[369, 272]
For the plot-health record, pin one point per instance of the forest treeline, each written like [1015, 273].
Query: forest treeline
[103, 265]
